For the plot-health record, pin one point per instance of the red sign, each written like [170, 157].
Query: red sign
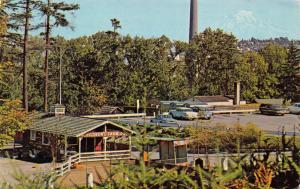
[103, 134]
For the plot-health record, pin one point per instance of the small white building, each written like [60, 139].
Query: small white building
[218, 100]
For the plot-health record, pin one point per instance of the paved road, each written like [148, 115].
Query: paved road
[272, 124]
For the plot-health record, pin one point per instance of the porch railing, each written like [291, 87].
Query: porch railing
[65, 167]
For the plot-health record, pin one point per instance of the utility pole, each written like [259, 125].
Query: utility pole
[60, 74]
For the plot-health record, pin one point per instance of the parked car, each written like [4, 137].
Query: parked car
[203, 112]
[163, 118]
[184, 113]
[272, 109]
[295, 108]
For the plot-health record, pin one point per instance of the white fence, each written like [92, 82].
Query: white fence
[89, 157]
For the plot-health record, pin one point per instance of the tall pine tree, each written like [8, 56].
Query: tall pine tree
[290, 82]
[18, 23]
[57, 12]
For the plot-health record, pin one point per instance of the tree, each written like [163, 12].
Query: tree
[13, 119]
[116, 24]
[56, 11]
[3, 28]
[20, 13]
[290, 80]
[210, 60]
[82, 93]
[275, 57]
[25, 46]
[252, 71]
[3, 21]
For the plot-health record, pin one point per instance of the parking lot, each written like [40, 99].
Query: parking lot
[265, 122]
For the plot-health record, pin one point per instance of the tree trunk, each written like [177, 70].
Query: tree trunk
[25, 46]
[46, 60]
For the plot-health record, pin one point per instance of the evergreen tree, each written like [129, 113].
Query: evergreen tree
[116, 24]
[290, 81]
[19, 21]
[56, 11]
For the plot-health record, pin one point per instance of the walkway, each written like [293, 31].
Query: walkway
[10, 167]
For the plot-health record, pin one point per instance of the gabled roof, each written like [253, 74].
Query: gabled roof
[218, 98]
[71, 126]
[108, 110]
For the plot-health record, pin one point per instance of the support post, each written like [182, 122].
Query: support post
[174, 153]
[79, 150]
[129, 146]
[105, 138]
[94, 144]
[66, 146]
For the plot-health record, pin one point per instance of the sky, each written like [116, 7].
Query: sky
[261, 19]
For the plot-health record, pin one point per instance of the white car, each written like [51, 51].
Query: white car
[295, 108]
[184, 113]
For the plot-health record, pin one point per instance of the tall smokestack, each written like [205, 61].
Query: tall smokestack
[193, 19]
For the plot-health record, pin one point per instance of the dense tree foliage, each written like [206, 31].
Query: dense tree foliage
[290, 79]
[54, 11]
[13, 119]
[108, 68]
[211, 60]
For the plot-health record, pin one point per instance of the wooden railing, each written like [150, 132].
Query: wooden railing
[89, 157]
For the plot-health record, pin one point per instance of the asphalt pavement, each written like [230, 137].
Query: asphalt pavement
[268, 123]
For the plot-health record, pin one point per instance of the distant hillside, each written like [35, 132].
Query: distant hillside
[257, 44]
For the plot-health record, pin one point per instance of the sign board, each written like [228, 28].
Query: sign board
[104, 134]
[181, 142]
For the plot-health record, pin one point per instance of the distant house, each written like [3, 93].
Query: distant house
[199, 101]
[218, 100]
[106, 110]
[211, 100]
